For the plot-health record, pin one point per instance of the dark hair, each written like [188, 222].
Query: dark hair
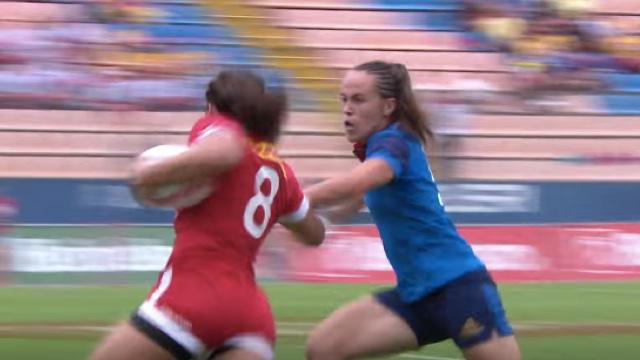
[393, 81]
[243, 96]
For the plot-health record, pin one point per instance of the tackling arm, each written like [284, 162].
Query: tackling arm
[310, 230]
[369, 175]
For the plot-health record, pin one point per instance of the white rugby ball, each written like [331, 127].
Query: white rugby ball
[175, 196]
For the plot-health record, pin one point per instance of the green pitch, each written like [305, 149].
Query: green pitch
[554, 321]
[557, 321]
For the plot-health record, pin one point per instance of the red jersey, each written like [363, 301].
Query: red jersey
[231, 224]
[207, 297]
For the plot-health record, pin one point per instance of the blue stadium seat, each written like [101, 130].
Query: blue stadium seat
[181, 13]
[623, 82]
[420, 4]
[621, 104]
[430, 15]
[475, 41]
[437, 20]
[173, 30]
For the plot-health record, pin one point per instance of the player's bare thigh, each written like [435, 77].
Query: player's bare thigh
[496, 348]
[362, 328]
[127, 343]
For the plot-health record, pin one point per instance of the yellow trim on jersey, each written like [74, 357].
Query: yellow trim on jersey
[267, 151]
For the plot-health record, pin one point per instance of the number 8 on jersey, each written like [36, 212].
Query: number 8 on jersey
[260, 200]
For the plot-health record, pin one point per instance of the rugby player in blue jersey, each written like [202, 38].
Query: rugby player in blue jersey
[443, 290]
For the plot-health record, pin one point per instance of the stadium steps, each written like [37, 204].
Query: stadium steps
[482, 169]
[318, 123]
[378, 40]
[626, 7]
[339, 36]
[100, 145]
[130, 144]
[544, 126]
[550, 147]
[14, 143]
[23, 11]
[417, 60]
[281, 53]
[518, 169]
[142, 121]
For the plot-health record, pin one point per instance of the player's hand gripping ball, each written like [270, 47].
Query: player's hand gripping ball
[177, 196]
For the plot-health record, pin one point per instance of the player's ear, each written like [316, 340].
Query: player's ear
[389, 106]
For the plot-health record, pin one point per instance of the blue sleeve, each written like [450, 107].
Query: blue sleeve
[393, 149]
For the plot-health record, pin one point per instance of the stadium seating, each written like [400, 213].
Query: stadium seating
[622, 104]
[99, 144]
[627, 7]
[378, 39]
[572, 143]
[31, 11]
[77, 143]
[623, 82]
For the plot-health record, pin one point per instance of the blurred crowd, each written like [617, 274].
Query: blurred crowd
[91, 55]
[81, 60]
[555, 45]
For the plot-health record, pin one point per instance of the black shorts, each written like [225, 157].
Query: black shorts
[467, 310]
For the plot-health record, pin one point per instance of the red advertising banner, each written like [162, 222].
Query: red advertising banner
[512, 253]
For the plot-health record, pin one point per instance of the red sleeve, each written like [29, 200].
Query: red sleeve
[296, 205]
[216, 124]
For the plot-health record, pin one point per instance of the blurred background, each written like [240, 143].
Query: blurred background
[535, 105]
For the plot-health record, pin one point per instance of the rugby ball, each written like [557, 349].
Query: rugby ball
[175, 196]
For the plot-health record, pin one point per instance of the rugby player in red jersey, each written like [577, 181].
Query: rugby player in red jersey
[206, 303]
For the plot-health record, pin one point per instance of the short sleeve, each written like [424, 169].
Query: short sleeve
[392, 148]
[213, 126]
[212, 129]
[296, 205]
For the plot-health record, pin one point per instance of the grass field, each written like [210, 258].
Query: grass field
[554, 321]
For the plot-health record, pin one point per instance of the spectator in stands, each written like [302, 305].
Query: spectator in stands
[624, 46]
[553, 56]
[499, 27]
[572, 8]
[552, 46]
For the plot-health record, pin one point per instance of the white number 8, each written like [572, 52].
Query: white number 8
[261, 200]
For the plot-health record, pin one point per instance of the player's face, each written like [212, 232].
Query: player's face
[364, 110]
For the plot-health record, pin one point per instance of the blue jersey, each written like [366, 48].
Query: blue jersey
[420, 240]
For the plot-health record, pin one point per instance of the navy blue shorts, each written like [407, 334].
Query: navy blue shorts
[467, 310]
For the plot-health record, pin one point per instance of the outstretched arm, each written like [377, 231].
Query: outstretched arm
[309, 231]
[343, 210]
[367, 176]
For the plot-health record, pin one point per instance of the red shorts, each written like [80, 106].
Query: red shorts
[190, 313]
